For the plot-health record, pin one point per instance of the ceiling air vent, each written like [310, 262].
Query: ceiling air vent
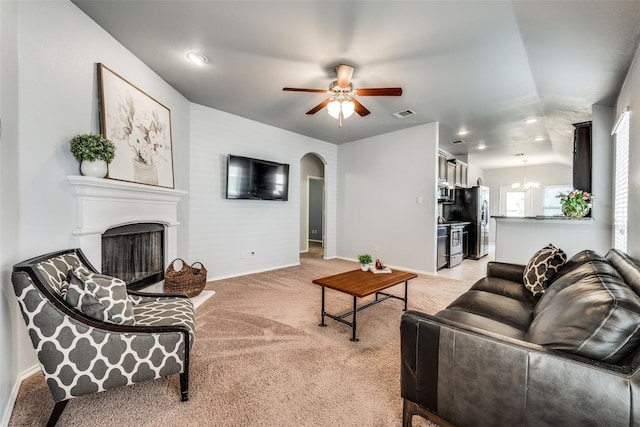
[404, 113]
[456, 142]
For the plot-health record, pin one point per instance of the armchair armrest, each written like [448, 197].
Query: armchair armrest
[505, 270]
[155, 294]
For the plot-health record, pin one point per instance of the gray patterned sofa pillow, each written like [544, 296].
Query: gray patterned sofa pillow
[542, 267]
[101, 297]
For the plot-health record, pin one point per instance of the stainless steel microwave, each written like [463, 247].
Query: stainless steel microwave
[445, 194]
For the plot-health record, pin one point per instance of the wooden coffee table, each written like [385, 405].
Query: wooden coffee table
[360, 284]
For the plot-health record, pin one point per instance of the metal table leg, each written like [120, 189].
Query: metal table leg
[406, 288]
[322, 310]
[353, 327]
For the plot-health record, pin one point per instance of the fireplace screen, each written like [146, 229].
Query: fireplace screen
[134, 253]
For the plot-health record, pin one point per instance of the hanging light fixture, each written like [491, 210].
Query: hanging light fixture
[341, 107]
[527, 185]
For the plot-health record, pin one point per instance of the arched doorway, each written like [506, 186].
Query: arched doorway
[312, 206]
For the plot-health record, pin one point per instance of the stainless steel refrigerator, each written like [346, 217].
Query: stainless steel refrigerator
[472, 205]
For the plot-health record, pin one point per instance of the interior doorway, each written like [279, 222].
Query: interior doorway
[312, 206]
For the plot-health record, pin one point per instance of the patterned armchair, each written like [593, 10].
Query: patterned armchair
[82, 350]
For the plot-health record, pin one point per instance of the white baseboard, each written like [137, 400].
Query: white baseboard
[245, 273]
[6, 413]
[410, 270]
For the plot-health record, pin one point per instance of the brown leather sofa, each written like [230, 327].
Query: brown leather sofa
[498, 356]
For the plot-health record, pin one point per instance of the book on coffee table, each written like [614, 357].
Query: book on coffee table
[379, 270]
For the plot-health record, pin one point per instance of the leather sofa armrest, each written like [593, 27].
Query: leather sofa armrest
[471, 374]
[506, 270]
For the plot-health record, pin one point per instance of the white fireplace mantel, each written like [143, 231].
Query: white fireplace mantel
[102, 204]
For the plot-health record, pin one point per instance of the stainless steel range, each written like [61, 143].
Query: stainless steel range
[455, 245]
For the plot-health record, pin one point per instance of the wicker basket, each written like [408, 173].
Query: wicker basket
[189, 280]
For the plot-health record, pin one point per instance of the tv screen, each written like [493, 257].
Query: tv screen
[256, 179]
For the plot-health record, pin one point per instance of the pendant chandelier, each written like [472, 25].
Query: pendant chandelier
[526, 185]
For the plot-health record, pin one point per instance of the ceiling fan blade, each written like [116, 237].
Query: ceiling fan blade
[319, 107]
[379, 91]
[296, 89]
[344, 75]
[359, 108]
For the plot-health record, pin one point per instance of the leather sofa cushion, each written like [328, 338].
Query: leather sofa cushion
[596, 266]
[471, 320]
[596, 317]
[513, 312]
[627, 267]
[504, 287]
[576, 261]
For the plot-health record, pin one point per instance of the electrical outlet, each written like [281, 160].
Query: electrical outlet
[376, 248]
[243, 254]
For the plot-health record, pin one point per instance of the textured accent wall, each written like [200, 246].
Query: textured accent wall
[235, 237]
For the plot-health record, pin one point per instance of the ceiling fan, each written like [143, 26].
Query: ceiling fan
[342, 102]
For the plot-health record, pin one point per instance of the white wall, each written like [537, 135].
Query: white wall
[224, 232]
[630, 96]
[602, 172]
[9, 315]
[380, 178]
[49, 94]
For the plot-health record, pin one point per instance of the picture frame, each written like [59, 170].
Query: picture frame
[140, 128]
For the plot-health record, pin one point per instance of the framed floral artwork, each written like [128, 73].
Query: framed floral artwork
[140, 128]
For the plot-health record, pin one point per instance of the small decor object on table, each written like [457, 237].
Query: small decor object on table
[188, 279]
[94, 152]
[380, 268]
[365, 260]
[575, 204]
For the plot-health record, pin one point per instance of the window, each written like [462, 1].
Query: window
[621, 185]
[515, 202]
[550, 203]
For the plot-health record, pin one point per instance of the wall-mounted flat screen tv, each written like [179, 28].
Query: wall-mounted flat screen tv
[256, 179]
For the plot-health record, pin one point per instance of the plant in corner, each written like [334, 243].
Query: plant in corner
[94, 152]
[365, 260]
[575, 204]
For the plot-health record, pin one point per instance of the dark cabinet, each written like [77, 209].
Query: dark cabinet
[582, 156]
[443, 248]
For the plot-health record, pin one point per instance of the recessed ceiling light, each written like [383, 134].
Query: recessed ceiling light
[197, 58]
[539, 138]
[482, 147]
[531, 120]
[463, 132]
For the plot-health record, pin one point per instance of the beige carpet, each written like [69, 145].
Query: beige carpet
[260, 359]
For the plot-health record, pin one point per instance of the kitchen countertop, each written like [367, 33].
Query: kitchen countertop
[543, 218]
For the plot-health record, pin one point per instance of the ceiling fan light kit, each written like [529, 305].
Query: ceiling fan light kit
[341, 102]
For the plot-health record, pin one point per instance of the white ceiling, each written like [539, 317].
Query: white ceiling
[480, 65]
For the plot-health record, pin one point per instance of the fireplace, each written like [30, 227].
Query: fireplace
[105, 206]
[134, 253]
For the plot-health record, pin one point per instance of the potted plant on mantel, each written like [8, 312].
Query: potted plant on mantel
[365, 260]
[94, 152]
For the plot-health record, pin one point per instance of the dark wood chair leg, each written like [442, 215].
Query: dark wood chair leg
[408, 411]
[184, 386]
[57, 411]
